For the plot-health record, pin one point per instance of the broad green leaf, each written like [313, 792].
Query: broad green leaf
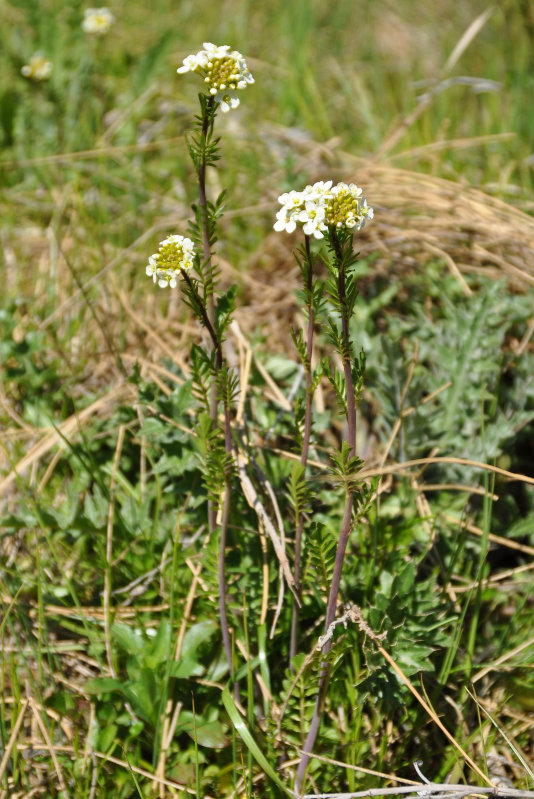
[209, 734]
[196, 635]
[184, 668]
[129, 639]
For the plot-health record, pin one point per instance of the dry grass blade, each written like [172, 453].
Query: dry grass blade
[93, 154]
[50, 747]
[400, 467]
[503, 659]
[472, 31]
[436, 790]
[372, 772]
[253, 500]
[13, 737]
[136, 769]
[64, 431]
[496, 539]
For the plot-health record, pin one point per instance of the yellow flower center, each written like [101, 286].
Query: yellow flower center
[341, 207]
[220, 73]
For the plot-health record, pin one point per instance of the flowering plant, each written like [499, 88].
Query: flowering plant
[323, 211]
[321, 206]
[97, 21]
[224, 72]
[175, 255]
[38, 69]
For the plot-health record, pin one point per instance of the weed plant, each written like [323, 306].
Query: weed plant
[246, 571]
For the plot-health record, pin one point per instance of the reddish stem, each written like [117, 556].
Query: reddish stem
[345, 524]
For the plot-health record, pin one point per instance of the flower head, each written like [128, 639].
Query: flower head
[343, 207]
[224, 72]
[97, 21]
[175, 254]
[38, 68]
[321, 206]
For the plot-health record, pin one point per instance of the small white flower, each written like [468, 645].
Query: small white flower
[313, 219]
[191, 63]
[319, 190]
[97, 21]
[38, 69]
[175, 255]
[366, 211]
[216, 51]
[291, 199]
[227, 101]
[285, 221]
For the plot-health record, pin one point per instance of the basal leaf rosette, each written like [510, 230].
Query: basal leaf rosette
[224, 72]
[175, 255]
[321, 206]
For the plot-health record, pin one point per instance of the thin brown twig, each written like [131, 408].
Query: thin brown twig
[436, 790]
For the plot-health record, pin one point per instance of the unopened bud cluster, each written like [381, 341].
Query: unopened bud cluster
[175, 255]
[224, 72]
[321, 206]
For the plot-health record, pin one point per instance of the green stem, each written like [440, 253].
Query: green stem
[206, 246]
[293, 640]
[203, 205]
[346, 522]
[217, 346]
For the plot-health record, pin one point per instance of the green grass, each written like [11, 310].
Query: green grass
[110, 641]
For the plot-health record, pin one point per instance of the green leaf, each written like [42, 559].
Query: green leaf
[106, 737]
[130, 640]
[160, 645]
[143, 695]
[281, 368]
[182, 669]
[208, 733]
[196, 635]
[103, 685]
[245, 735]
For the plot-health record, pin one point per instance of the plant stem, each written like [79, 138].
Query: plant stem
[293, 640]
[206, 246]
[217, 346]
[210, 324]
[203, 205]
[347, 516]
[346, 348]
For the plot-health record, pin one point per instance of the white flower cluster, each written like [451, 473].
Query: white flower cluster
[175, 254]
[321, 206]
[38, 69]
[97, 21]
[224, 72]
